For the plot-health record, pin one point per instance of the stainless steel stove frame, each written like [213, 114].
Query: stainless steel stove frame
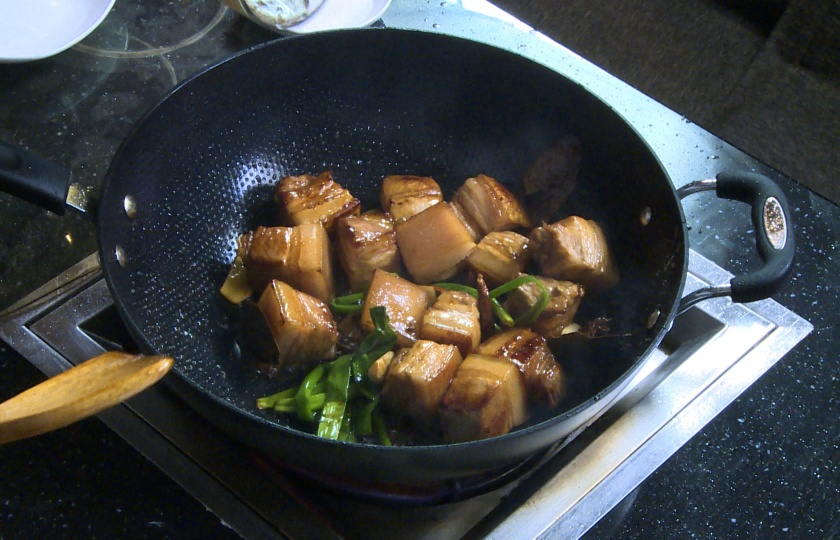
[712, 354]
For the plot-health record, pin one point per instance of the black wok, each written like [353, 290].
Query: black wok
[199, 170]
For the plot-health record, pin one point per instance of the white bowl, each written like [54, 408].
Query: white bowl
[336, 14]
[36, 29]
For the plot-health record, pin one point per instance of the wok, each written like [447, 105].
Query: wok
[199, 169]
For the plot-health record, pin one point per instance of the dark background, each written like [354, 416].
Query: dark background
[763, 75]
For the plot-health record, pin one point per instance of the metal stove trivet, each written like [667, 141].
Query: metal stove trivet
[712, 354]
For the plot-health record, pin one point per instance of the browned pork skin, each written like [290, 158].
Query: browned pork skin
[574, 249]
[433, 243]
[563, 303]
[404, 302]
[299, 255]
[543, 377]
[302, 326]
[365, 243]
[499, 257]
[485, 399]
[453, 320]
[417, 379]
[484, 205]
[402, 196]
[313, 199]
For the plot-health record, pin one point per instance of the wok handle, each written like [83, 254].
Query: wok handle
[33, 178]
[774, 236]
[79, 392]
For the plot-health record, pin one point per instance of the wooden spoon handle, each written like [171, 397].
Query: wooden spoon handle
[79, 392]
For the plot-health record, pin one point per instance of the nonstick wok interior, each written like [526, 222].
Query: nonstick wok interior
[201, 167]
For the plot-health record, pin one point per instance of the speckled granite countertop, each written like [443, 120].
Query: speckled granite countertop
[766, 467]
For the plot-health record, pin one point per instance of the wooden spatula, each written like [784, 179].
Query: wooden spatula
[79, 392]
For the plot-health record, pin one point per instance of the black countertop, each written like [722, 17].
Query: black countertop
[766, 467]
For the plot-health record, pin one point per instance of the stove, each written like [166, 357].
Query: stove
[713, 352]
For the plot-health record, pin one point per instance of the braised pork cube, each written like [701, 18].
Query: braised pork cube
[484, 205]
[499, 257]
[485, 399]
[402, 196]
[313, 199]
[453, 319]
[364, 243]
[574, 249]
[433, 243]
[543, 377]
[302, 326]
[417, 379]
[298, 255]
[563, 301]
[404, 302]
[552, 177]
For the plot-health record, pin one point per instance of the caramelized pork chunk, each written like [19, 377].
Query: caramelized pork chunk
[453, 320]
[302, 326]
[499, 257]
[484, 205]
[402, 196]
[552, 177]
[365, 243]
[563, 301]
[433, 243]
[543, 377]
[301, 256]
[417, 379]
[314, 199]
[485, 399]
[404, 302]
[574, 249]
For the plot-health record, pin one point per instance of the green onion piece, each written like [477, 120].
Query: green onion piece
[458, 287]
[363, 418]
[269, 402]
[379, 426]
[335, 406]
[346, 432]
[289, 405]
[351, 303]
[501, 313]
[305, 411]
[529, 317]
[380, 341]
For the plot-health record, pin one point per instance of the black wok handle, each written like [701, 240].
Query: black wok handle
[774, 236]
[33, 178]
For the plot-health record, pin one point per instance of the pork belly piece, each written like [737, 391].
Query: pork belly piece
[302, 326]
[417, 379]
[402, 196]
[404, 302]
[485, 399]
[574, 249]
[301, 256]
[563, 303]
[312, 199]
[552, 177]
[433, 243]
[484, 205]
[499, 257]
[453, 320]
[364, 243]
[545, 382]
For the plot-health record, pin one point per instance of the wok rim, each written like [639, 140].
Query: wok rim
[606, 395]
